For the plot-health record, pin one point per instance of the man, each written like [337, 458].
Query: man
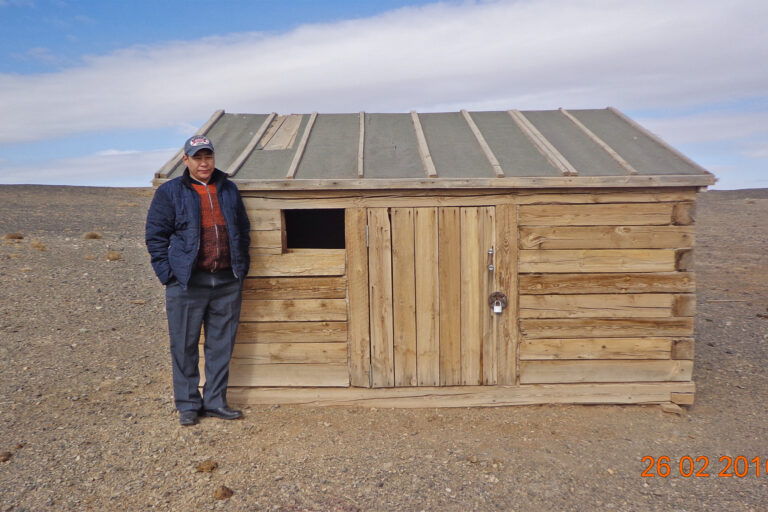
[197, 234]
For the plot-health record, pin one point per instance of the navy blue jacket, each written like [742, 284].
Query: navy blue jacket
[173, 227]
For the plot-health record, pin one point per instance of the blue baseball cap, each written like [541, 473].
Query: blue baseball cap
[195, 143]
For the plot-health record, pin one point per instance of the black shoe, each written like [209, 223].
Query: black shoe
[187, 418]
[225, 413]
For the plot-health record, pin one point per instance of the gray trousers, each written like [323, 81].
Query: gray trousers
[211, 299]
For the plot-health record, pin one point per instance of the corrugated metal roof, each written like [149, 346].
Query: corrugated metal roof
[554, 148]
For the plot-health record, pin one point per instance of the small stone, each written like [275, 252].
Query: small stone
[4, 456]
[222, 493]
[207, 466]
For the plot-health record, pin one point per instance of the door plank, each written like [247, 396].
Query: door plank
[506, 282]
[449, 269]
[473, 272]
[404, 296]
[427, 297]
[380, 293]
[355, 220]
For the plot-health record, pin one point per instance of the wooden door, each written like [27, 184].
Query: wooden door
[429, 274]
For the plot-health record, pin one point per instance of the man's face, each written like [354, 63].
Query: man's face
[201, 165]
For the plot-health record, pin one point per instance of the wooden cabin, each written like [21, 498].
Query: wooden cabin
[461, 259]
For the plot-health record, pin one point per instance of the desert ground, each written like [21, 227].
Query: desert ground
[87, 420]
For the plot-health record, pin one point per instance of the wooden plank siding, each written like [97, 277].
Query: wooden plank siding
[546, 284]
[293, 329]
[606, 292]
[553, 372]
[599, 286]
[298, 262]
[636, 305]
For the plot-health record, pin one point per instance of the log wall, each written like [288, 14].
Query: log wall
[605, 292]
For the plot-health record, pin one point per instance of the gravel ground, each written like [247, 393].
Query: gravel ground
[87, 421]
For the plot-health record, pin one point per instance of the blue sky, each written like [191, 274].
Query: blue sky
[104, 92]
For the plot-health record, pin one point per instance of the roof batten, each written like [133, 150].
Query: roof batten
[483, 144]
[543, 145]
[656, 139]
[600, 142]
[361, 146]
[170, 164]
[243, 156]
[426, 158]
[300, 149]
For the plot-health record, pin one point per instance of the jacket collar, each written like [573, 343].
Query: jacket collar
[216, 178]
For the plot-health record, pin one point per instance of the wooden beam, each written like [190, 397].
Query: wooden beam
[597, 140]
[291, 332]
[468, 396]
[412, 198]
[553, 372]
[243, 156]
[175, 159]
[684, 214]
[483, 144]
[598, 260]
[316, 353]
[266, 288]
[597, 348]
[542, 144]
[361, 148]
[637, 214]
[605, 327]
[242, 372]
[634, 305]
[298, 262]
[688, 180]
[666, 282]
[355, 221]
[301, 310]
[684, 260]
[682, 348]
[607, 237]
[658, 141]
[300, 149]
[426, 158]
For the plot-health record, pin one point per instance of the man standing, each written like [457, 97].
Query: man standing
[197, 234]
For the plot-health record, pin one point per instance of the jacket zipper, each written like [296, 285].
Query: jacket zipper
[215, 227]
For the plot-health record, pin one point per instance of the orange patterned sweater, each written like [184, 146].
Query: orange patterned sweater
[214, 242]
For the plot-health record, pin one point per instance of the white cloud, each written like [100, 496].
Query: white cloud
[710, 127]
[493, 55]
[106, 168]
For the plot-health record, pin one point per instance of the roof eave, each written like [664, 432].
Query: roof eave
[635, 181]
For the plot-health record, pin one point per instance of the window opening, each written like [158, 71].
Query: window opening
[314, 229]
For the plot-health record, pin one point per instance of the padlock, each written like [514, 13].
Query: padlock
[497, 307]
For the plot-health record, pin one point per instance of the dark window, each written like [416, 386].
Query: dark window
[314, 229]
